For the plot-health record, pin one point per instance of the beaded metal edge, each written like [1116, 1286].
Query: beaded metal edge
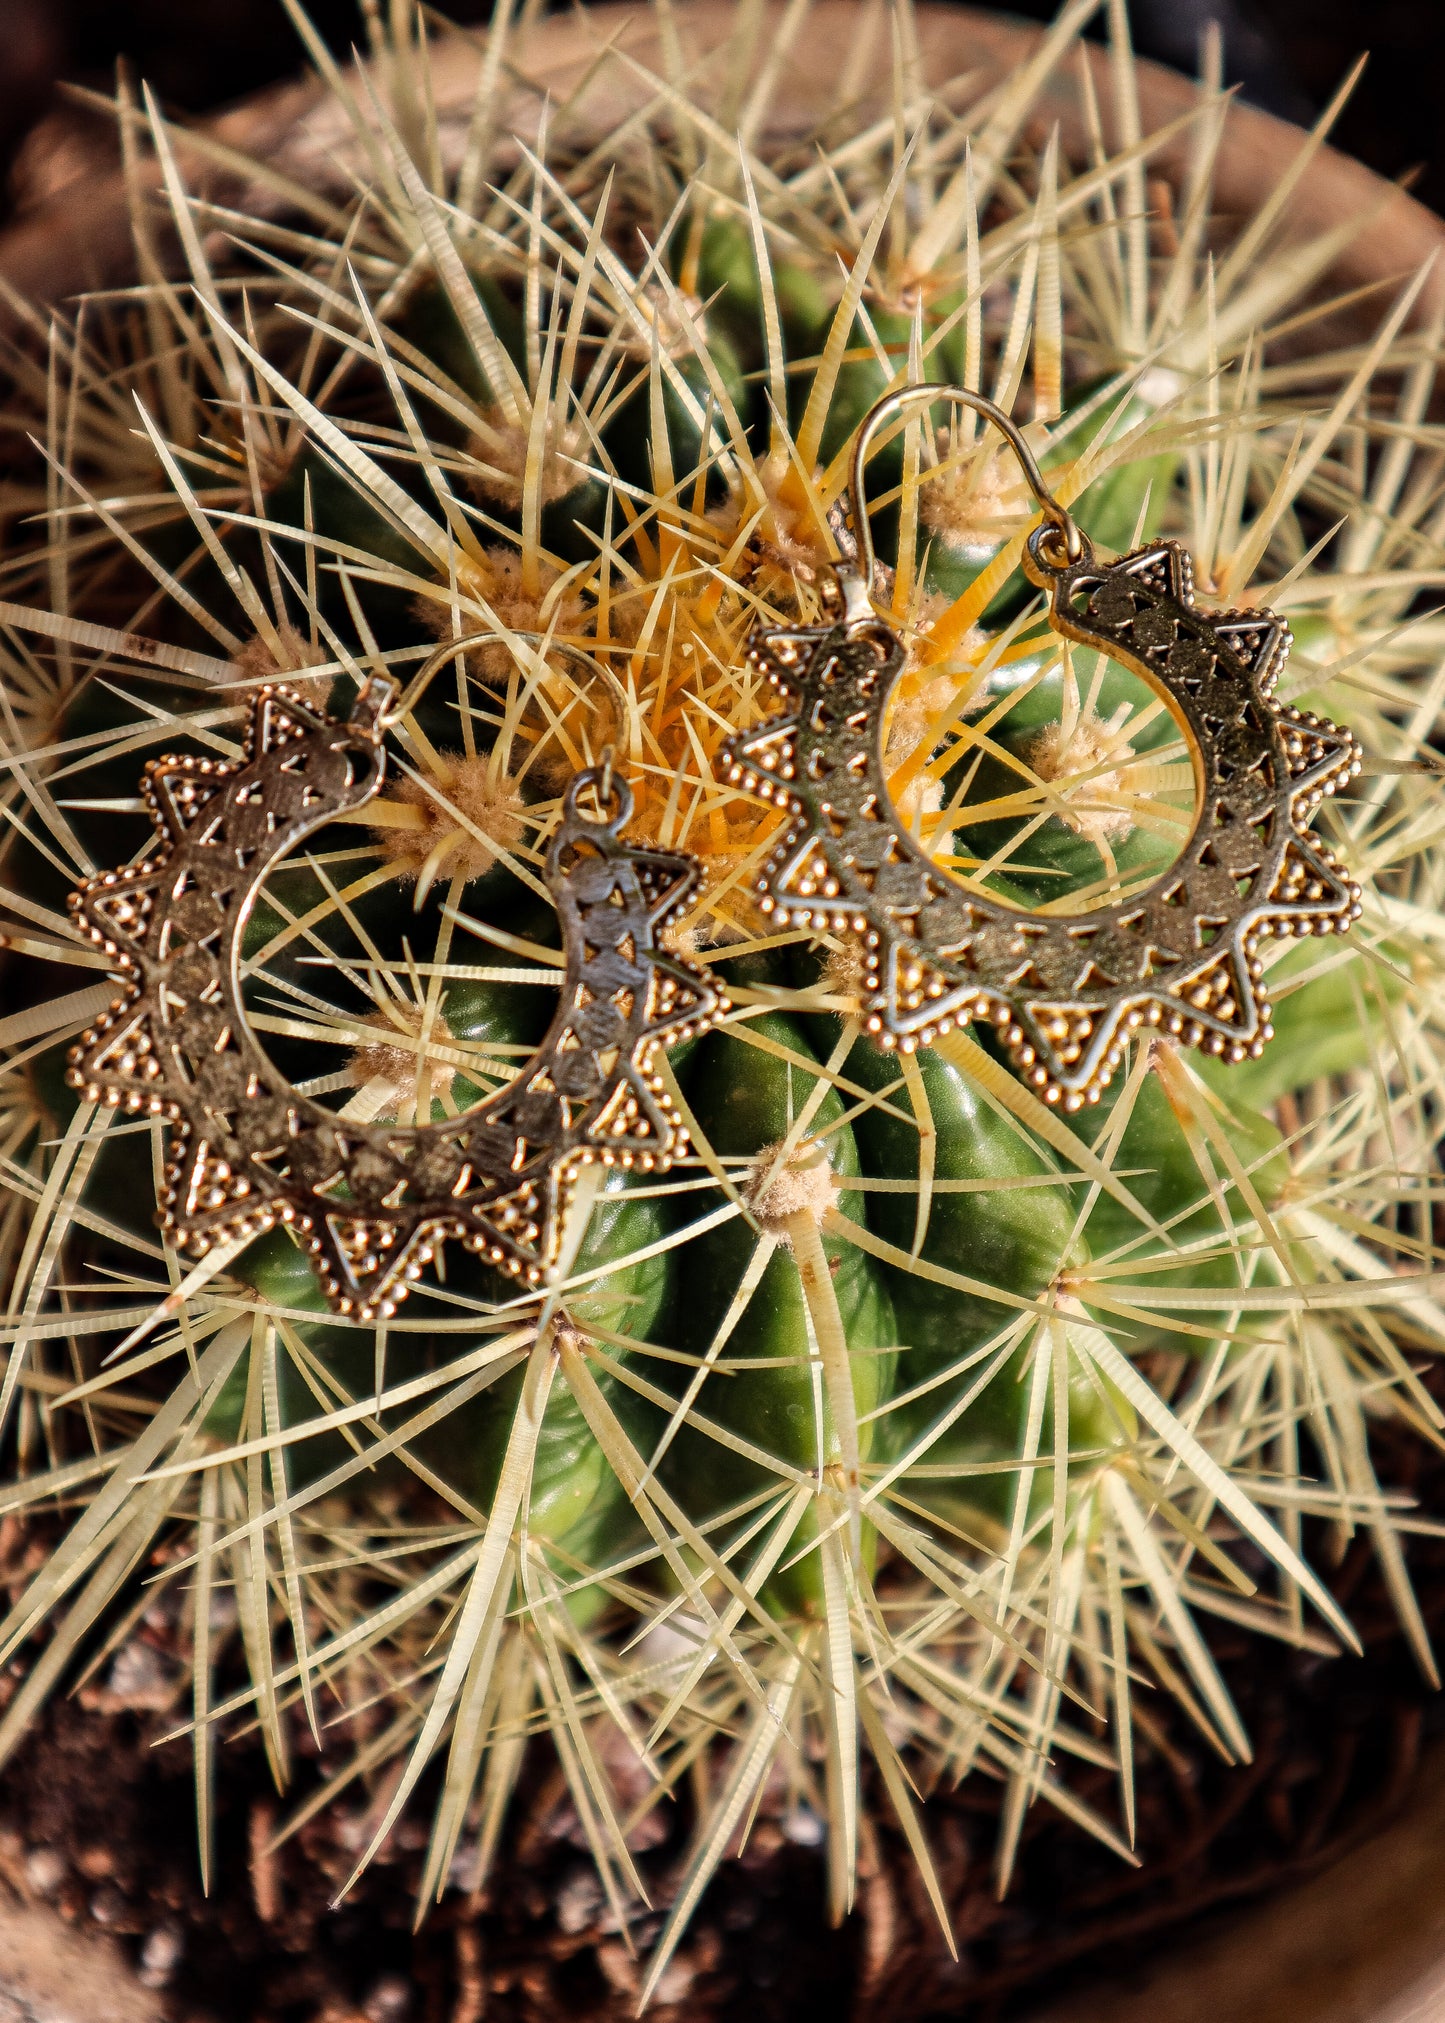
[1064, 991]
[370, 1203]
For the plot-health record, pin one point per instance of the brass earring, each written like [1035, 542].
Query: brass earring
[370, 1203]
[1065, 993]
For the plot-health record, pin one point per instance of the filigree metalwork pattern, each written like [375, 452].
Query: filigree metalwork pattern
[1064, 991]
[370, 1203]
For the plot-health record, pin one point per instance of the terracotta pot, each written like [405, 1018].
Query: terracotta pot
[1363, 1942]
[79, 238]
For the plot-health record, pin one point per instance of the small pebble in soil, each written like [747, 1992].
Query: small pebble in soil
[578, 1900]
[161, 1955]
[465, 1870]
[108, 1906]
[388, 2000]
[801, 1825]
[619, 1965]
[45, 1870]
[676, 1982]
[140, 1676]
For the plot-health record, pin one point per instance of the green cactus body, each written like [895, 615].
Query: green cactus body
[1167, 1180]
[430, 323]
[1127, 505]
[572, 1490]
[864, 380]
[316, 493]
[573, 500]
[746, 1101]
[1327, 1025]
[693, 427]
[1019, 1238]
[729, 285]
[1018, 1233]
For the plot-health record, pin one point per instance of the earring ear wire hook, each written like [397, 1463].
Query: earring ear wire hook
[857, 569]
[1179, 953]
[489, 635]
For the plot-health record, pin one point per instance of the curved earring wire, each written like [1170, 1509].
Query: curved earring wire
[371, 1203]
[897, 403]
[1181, 955]
[490, 636]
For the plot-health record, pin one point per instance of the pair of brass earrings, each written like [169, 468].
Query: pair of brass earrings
[371, 1202]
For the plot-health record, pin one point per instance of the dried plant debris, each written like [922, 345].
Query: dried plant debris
[908, 1436]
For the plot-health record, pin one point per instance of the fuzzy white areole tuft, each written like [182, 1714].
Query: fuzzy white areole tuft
[396, 1065]
[428, 840]
[803, 1184]
[1089, 763]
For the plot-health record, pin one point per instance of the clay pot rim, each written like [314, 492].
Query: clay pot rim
[79, 240]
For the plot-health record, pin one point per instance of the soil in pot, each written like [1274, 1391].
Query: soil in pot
[101, 1824]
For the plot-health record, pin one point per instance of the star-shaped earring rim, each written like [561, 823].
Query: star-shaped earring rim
[371, 1203]
[1065, 992]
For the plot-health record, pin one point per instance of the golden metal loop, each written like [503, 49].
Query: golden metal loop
[488, 636]
[1065, 991]
[371, 1203]
[1182, 954]
[864, 563]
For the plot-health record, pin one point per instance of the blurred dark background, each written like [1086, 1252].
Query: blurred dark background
[1285, 55]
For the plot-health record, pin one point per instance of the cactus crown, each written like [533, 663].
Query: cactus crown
[906, 1420]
